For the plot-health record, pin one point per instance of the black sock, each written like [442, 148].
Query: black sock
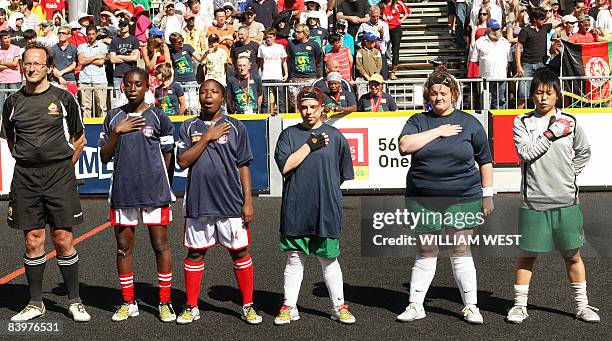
[35, 270]
[69, 267]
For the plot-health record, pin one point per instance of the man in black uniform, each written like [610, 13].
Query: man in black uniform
[43, 128]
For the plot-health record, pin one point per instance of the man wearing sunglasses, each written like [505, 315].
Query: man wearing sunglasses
[64, 57]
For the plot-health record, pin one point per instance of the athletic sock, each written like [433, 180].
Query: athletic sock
[165, 285]
[465, 276]
[423, 273]
[333, 280]
[35, 270]
[521, 293]
[243, 269]
[193, 281]
[69, 267]
[127, 287]
[580, 295]
[294, 272]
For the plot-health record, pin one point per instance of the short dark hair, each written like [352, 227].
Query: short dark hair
[174, 37]
[547, 78]
[219, 10]
[4, 33]
[29, 34]
[39, 46]
[216, 82]
[140, 71]
[270, 31]
[537, 13]
[91, 28]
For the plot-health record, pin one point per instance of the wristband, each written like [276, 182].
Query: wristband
[488, 191]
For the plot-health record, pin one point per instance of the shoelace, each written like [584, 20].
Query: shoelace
[343, 311]
[250, 311]
[285, 312]
[187, 314]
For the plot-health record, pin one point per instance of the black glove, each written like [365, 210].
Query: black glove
[316, 141]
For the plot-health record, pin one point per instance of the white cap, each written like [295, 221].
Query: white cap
[74, 24]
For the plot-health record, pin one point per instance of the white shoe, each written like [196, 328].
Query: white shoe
[166, 312]
[471, 314]
[78, 312]
[286, 315]
[28, 313]
[343, 315]
[250, 314]
[414, 311]
[125, 311]
[188, 315]
[588, 314]
[517, 314]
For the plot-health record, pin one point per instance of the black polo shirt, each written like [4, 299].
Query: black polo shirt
[62, 58]
[534, 44]
[41, 125]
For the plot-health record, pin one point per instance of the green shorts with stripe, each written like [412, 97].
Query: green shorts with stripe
[318, 246]
[542, 230]
[461, 215]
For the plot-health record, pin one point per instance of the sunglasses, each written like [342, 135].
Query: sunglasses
[483, 14]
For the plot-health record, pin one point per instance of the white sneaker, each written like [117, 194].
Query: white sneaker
[188, 315]
[588, 314]
[166, 312]
[286, 315]
[343, 315]
[126, 310]
[250, 314]
[28, 313]
[78, 312]
[471, 314]
[517, 314]
[414, 311]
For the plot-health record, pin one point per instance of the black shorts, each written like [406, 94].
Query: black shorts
[452, 7]
[42, 196]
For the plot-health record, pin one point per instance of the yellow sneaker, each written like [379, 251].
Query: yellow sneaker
[286, 315]
[250, 314]
[166, 312]
[343, 315]
[126, 310]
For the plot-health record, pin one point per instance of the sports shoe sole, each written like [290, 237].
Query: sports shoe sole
[131, 315]
[251, 322]
[187, 322]
[33, 318]
[282, 323]
[334, 318]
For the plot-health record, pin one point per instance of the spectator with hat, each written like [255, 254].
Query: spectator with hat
[51, 6]
[46, 35]
[336, 100]
[492, 52]
[368, 60]
[343, 56]
[142, 24]
[331, 65]
[256, 29]
[169, 21]
[216, 61]
[124, 52]
[194, 35]
[569, 22]
[347, 39]
[64, 58]
[581, 9]
[155, 53]
[314, 9]
[318, 33]
[380, 29]
[109, 21]
[85, 20]
[554, 6]
[584, 34]
[230, 10]
[376, 100]
[76, 35]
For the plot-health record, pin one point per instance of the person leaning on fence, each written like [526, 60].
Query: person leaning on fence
[245, 90]
[331, 65]
[492, 52]
[183, 56]
[368, 60]
[451, 173]
[334, 99]
[376, 100]
[65, 57]
[553, 149]
[92, 56]
[124, 52]
[303, 57]
[272, 62]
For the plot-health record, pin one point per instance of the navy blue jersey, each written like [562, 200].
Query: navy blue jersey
[312, 200]
[448, 164]
[182, 60]
[342, 99]
[244, 94]
[139, 173]
[383, 103]
[213, 182]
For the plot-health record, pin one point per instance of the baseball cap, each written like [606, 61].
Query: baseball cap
[569, 19]
[377, 78]
[583, 17]
[553, 2]
[156, 32]
[493, 24]
[334, 77]
[168, 3]
[85, 16]
[229, 4]
[369, 36]
[74, 25]
[342, 22]
[250, 9]
[124, 22]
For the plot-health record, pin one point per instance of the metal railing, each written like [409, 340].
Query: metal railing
[476, 94]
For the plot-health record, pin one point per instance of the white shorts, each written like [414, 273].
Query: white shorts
[150, 216]
[203, 233]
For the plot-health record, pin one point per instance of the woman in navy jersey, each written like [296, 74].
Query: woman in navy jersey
[138, 138]
[314, 159]
[450, 173]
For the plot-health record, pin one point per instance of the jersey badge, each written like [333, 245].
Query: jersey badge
[308, 48]
[147, 131]
[223, 139]
[53, 109]
[196, 138]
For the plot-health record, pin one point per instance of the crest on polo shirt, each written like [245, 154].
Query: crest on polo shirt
[147, 131]
[223, 139]
[53, 109]
[195, 137]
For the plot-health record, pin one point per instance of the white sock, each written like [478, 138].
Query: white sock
[423, 273]
[465, 276]
[580, 295]
[333, 280]
[520, 294]
[294, 272]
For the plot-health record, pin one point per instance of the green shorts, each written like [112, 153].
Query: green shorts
[538, 229]
[464, 215]
[319, 246]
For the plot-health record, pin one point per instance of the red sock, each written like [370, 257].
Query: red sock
[193, 280]
[165, 284]
[127, 286]
[243, 269]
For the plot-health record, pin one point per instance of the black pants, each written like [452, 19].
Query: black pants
[396, 39]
